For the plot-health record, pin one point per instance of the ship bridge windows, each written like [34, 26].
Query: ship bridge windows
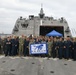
[24, 25]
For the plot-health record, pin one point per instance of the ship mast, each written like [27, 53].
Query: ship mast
[41, 14]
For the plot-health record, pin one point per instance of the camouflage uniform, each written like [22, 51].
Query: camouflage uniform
[21, 46]
[50, 44]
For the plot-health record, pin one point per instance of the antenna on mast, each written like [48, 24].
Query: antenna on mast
[41, 5]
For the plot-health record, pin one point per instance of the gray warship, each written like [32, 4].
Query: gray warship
[40, 25]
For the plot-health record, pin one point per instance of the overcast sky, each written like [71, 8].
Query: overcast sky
[10, 10]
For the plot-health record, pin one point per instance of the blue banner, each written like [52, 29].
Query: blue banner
[38, 48]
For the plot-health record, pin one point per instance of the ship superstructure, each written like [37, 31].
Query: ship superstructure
[40, 25]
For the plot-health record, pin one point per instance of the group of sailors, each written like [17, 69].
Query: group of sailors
[58, 47]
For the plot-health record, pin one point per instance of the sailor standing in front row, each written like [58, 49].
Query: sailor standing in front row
[26, 47]
[54, 48]
[74, 49]
[8, 47]
[50, 44]
[67, 45]
[14, 45]
[21, 45]
[60, 48]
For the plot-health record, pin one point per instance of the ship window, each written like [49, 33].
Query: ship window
[24, 25]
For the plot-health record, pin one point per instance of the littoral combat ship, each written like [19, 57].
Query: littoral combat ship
[40, 25]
